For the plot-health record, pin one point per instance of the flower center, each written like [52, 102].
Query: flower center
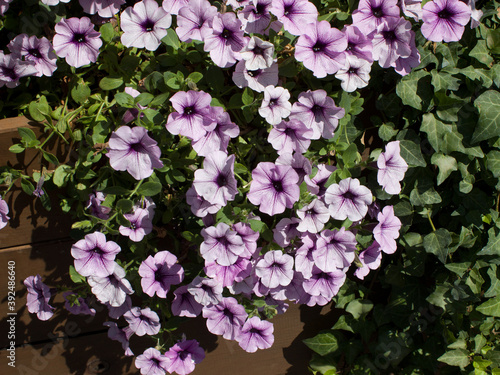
[317, 110]
[221, 180]
[148, 25]
[273, 102]
[183, 355]
[318, 47]
[255, 330]
[258, 51]
[226, 34]
[34, 52]
[254, 73]
[9, 72]
[287, 10]
[278, 186]
[444, 14]
[158, 276]
[97, 251]
[377, 12]
[349, 195]
[352, 71]
[137, 147]
[350, 46]
[188, 111]
[389, 35]
[259, 9]
[227, 313]
[79, 38]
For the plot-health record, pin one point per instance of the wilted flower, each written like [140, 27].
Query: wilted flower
[159, 272]
[94, 256]
[12, 68]
[316, 184]
[38, 297]
[387, 230]
[94, 204]
[370, 260]
[77, 305]
[4, 210]
[140, 225]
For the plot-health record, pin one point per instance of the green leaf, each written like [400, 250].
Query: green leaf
[411, 153]
[80, 92]
[494, 289]
[493, 160]
[490, 307]
[480, 53]
[116, 190]
[410, 86]
[149, 189]
[424, 194]
[61, 174]
[124, 100]
[171, 39]
[247, 96]
[437, 243]
[27, 134]
[323, 343]
[444, 81]
[110, 83]
[107, 32]
[39, 109]
[343, 323]
[27, 186]
[476, 74]
[386, 131]
[359, 308]
[488, 126]
[125, 205]
[493, 245]
[457, 357]
[144, 99]
[75, 276]
[475, 281]
[195, 77]
[159, 100]
[446, 165]
[459, 268]
[17, 148]
[50, 158]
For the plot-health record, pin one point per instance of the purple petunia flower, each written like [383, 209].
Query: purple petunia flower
[348, 199]
[258, 79]
[144, 25]
[200, 206]
[372, 13]
[183, 356]
[120, 335]
[236, 4]
[226, 318]
[174, 6]
[392, 41]
[358, 44]
[184, 303]
[256, 19]
[192, 117]
[273, 187]
[321, 48]
[228, 275]
[133, 150]
[445, 20]
[275, 269]
[194, 20]
[143, 321]
[77, 305]
[77, 41]
[140, 225]
[159, 272]
[290, 136]
[257, 54]
[412, 9]
[205, 291]
[94, 256]
[152, 362]
[221, 244]
[355, 74]
[249, 238]
[304, 260]
[40, 51]
[112, 289]
[12, 68]
[318, 112]
[105, 8]
[286, 231]
[38, 297]
[316, 184]
[224, 40]
[476, 14]
[313, 217]
[324, 284]
[387, 230]
[256, 334]
[334, 250]
[298, 162]
[275, 105]
[4, 6]
[404, 65]
[54, 2]
[94, 204]
[216, 182]
[370, 260]
[391, 168]
[295, 14]
[4, 210]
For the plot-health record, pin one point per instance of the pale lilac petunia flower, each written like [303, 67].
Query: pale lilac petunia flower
[226, 318]
[324, 284]
[335, 249]
[387, 230]
[358, 43]
[228, 275]
[391, 168]
[184, 303]
[183, 356]
[290, 136]
[194, 20]
[158, 273]
[221, 244]
[216, 182]
[174, 6]
[152, 362]
[275, 105]
[316, 184]
[370, 260]
[321, 49]
[94, 204]
[116, 312]
[355, 74]
[77, 305]
[4, 6]
[404, 65]
[256, 334]
[140, 225]
[12, 69]
[256, 19]
[273, 187]
[258, 54]
[476, 14]
[286, 231]
[445, 20]
[200, 206]
[318, 112]
[348, 199]
[275, 269]
[236, 4]
[143, 321]
[105, 8]
[77, 41]
[258, 79]
[304, 259]
[372, 13]
[249, 238]
[206, 291]
[298, 162]
[4, 210]
[412, 9]
[94, 256]
[392, 41]
[37, 299]
[38, 50]
[313, 217]
[112, 289]
[295, 14]
[120, 335]
[54, 2]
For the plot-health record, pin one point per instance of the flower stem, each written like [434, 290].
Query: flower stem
[430, 221]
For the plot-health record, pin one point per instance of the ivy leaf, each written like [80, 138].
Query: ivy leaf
[457, 357]
[437, 243]
[490, 307]
[424, 194]
[493, 160]
[493, 245]
[75, 276]
[444, 81]
[446, 165]
[359, 308]
[476, 74]
[488, 125]
[411, 153]
[459, 268]
[480, 53]
[494, 288]
[408, 88]
[323, 343]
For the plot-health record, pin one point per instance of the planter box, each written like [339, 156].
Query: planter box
[37, 241]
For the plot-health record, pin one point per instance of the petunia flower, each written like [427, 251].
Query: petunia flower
[143, 321]
[256, 19]
[38, 50]
[273, 187]
[140, 225]
[370, 260]
[324, 284]
[120, 335]
[404, 65]
[358, 43]
[152, 362]
[37, 299]
[275, 105]
[348, 199]
[445, 20]
[174, 6]
[216, 182]
[133, 150]
[77, 41]
[12, 69]
[116, 312]
[275, 269]
[355, 74]
[392, 41]
[290, 136]
[304, 259]
[256, 334]
[295, 14]
[257, 54]
[249, 238]
[4, 210]
[335, 249]
[476, 14]
[221, 244]
[412, 9]
[205, 291]
[112, 289]
[77, 305]
[144, 25]
[105, 8]
[318, 112]
[228, 275]
[286, 231]
[94, 204]
[237, 4]
[184, 303]
[298, 162]
[321, 48]
[387, 230]
[192, 117]
[194, 20]
[4, 6]
[54, 2]
[258, 79]
[158, 273]
[183, 356]
[313, 217]
[391, 168]
[316, 184]
[226, 318]
[200, 206]
[94, 256]
[372, 13]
